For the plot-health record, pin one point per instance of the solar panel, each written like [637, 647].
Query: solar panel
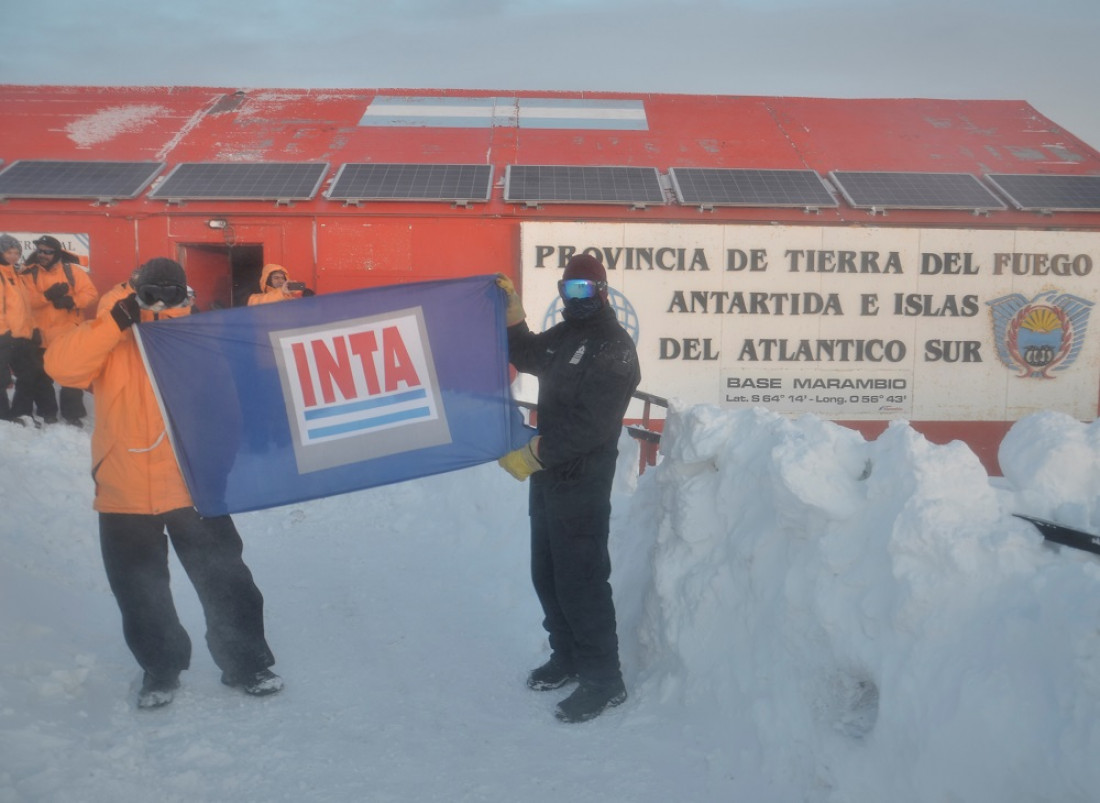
[707, 187]
[242, 181]
[412, 182]
[535, 184]
[1049, 193]
[883, 190]
[31, 178]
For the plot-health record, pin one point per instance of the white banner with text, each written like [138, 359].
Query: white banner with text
[847, 323]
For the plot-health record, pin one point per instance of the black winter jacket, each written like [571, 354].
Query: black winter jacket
[587, 371]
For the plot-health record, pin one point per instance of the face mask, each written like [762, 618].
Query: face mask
[580, 308]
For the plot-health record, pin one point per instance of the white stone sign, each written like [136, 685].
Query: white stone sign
[849, 323]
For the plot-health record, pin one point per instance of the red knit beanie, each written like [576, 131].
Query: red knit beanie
[584, 266]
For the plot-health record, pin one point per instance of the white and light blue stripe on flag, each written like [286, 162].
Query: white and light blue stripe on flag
[341, 419]
[279, 403]
[505, 112]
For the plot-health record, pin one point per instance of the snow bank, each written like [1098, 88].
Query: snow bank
[866, 621]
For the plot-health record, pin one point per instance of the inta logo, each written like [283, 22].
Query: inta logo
[360, 389]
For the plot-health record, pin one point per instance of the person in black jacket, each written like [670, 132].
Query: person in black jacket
[587, 367]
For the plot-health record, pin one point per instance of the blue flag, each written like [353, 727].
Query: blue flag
[277, 403]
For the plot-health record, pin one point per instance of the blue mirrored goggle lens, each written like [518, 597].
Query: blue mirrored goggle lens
[578, 288]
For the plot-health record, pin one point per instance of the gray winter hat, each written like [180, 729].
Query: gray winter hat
[7, 241]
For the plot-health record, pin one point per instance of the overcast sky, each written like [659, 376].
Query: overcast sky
[1040, 51]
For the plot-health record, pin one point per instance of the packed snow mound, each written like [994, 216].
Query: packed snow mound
[1053, 462]
[875, 607]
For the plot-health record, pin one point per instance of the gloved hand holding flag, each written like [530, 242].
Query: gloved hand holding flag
[514, 313]
[521, 463]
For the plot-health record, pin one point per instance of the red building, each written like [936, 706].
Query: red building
[863, 260]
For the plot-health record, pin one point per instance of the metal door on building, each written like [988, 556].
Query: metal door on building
[221, 275]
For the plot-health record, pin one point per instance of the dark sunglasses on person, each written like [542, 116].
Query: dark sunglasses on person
[171, 295]
[580, 288]
[46, 252]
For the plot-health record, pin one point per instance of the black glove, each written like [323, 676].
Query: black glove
[65, 302]
[292, 286]
[56, 291]
[126, 312]
[307, 293]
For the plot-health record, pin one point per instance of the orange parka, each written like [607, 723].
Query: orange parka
[268, 294]
[15, 307]
[50, 320]
[133, 465]
[112, 296]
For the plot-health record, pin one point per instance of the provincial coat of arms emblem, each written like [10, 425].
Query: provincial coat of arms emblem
[1040, 336]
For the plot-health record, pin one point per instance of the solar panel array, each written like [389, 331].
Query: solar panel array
[698, 186]
[537, 184]
[242, 181]
[534, 184]
[886, 190]
[101, 180]
[1049, 193]
[412, 182]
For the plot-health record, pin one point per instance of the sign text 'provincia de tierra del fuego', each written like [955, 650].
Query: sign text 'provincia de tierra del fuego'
[847, 323]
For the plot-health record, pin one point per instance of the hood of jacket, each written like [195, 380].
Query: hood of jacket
[266, 274]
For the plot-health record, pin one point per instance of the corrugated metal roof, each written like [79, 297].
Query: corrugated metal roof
[201, 124]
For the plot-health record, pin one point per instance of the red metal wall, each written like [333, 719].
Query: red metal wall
[329, 253]
[333, 247]
[359, 250]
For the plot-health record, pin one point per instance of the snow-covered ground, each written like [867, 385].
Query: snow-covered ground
[804, 616]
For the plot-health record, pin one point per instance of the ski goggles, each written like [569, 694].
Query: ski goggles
[580, 288]
[171, 295]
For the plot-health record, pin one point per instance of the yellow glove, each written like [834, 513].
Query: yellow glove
[523, 462]
[514, 314]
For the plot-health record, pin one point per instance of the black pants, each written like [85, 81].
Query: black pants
[7, 346]
[135, 554]
[570, 566]
[33, 387]
[72, 404]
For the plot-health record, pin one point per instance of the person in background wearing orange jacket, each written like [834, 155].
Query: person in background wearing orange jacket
[275, 285]
[17, 349]
[140, 494]
[59, 291]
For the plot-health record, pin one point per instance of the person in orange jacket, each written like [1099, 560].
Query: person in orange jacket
[140, 495]
[17, 348]
[117, 292]
[123, 289]
[275, 285]
[59, 291]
